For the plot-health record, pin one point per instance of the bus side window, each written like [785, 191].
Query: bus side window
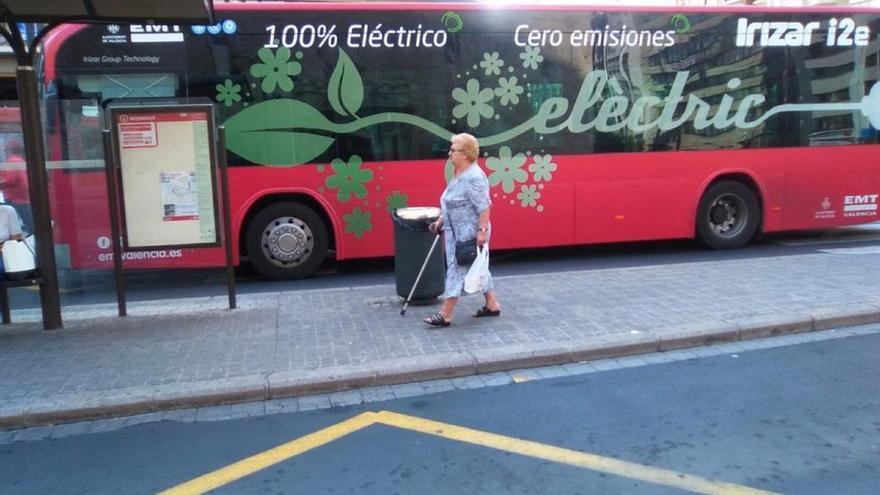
[82, 130]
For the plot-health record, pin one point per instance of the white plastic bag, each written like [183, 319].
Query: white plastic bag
[478, 274]
[18, 259]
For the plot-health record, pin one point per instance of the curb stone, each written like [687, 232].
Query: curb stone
[832, 318]
[610, 346]
[771, 326]
[421, 368]
[519, 356]
[288, 383]
[697, 334]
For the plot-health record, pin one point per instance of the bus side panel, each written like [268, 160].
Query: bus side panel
[829, 186]
[418, 183]
[798, 188]
[631, 200]
[552, 222]
[546, 222]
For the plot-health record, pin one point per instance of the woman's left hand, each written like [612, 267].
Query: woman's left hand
[481, 238]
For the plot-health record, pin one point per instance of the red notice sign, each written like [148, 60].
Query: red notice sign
[138, 135]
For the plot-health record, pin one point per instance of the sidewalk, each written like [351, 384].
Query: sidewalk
[196, 352]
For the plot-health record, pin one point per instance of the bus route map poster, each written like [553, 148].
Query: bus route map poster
[166, 163]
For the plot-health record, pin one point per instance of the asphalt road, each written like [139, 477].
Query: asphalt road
[89, 287]
[790, 419]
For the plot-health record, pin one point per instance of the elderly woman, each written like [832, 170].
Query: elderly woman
[465, 215]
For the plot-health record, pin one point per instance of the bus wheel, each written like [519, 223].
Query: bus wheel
[728, 215]
[287, 241]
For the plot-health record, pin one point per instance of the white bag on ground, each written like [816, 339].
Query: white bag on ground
[18, 259]
[478, 274]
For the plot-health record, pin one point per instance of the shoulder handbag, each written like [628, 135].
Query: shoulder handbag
[465, 251]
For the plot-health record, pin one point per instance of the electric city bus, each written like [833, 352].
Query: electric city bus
[596, 124]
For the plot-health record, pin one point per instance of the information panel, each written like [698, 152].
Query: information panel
[166, 163]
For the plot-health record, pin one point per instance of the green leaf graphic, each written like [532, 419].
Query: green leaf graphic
[346, 89]
[278, 133]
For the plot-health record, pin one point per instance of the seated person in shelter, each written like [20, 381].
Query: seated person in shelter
[14, 181]
[10, 228]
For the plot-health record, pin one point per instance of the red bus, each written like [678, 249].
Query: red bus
[596, 125]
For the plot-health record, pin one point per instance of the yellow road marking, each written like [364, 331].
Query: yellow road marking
[520, 379]
[257, 462]
[527, 448]
[564, 456]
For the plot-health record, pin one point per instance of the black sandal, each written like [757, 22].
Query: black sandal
[436, 320]
[484, 311]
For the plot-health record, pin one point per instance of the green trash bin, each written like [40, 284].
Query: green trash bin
[412, 242]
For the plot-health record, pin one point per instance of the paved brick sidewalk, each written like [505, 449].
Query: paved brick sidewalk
[196, 352]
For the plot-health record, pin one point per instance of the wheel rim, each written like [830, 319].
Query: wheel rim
[288, 242]
[727, 215]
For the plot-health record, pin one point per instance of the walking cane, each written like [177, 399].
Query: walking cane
[419, 276]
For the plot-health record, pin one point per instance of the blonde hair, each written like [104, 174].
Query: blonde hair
[469, 145]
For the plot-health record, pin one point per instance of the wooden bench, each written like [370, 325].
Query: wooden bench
[4, 296]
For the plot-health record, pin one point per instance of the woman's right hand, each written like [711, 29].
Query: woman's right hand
[435, 226]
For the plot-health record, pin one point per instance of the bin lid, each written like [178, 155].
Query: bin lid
[419, 213]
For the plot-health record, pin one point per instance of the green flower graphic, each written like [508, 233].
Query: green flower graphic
[474, 103]
[531, 57]
[507, 169]
[357, 222]
[349, 178]
[276, 69]
[508, 91]
[681, 23]
[491, 63]
[542, 167]
[396, 200]
[227, 93]
[528, 196]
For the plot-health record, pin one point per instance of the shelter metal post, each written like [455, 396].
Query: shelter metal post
[113, 199]
[227, 221]
[50, 302]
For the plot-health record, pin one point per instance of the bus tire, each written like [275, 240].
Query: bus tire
[728, 215]
[287, 240]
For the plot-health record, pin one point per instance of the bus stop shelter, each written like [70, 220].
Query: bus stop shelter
[53, 13]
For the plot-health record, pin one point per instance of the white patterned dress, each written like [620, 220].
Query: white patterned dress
[465, 198]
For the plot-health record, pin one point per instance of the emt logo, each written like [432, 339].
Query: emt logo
[860, 205]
